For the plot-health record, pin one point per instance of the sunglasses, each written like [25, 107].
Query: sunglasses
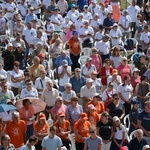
[91, 131]
[61, 116]
[116, 98]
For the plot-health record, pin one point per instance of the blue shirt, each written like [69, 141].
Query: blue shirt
[59, 60]
[77, 83]
[108, 22]
[51, 144]
[30, 17]
[135, 145]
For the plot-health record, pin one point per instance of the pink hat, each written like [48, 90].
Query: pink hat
[91, 107]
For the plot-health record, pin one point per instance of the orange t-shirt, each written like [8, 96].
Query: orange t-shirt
[75, 45]
[16, 133]
[41, 129]
[62, 127]
[99, 106]
[83, 129]
[93, 118]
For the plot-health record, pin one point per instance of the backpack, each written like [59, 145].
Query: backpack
[129, 45]
[135, 58]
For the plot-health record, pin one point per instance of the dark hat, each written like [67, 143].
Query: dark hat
[135, 101]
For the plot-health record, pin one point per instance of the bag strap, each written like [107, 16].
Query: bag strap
[41, 83]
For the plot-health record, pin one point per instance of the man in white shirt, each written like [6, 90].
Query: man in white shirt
[87, 92]
[133, 11]
[94, 8]
[40, 82]
[49, 97]
[86, 14]
[103, 47]
[23, 9]
[125, 23]
[64, 72]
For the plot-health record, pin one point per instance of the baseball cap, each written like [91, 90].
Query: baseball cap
[115, 119]
[135, 102]
[9, 44]
[106, 36]
[96, 95]
[94, 72]
[89, 80]
[18, 45]
[61, 114]
[73, 6]
[91, 107]
[31, 8]
[89, 59]
[85, 6]
[41, 55]
[142, 55]
[41, 116]
[64, 63]
[84, 116]
[94, 1]
[115, 24]
[75, 32]
[146, 147]
[123, 148]
[115, 71]
[136, 69]
[124, 58]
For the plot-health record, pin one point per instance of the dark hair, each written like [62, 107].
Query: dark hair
[3, 137]
[25, 101]
[27, 74]
[113, 95]
[74, 99]
[16, 63]
[53, 128]
[101, 27]
[28, 80]
[125, 78]
[143, 77]
[33, 138]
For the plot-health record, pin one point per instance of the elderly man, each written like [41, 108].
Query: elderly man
[87, 92]
[138, 142]
[49, 97]
[64, 72]
[77, 81]
[17, 131]
[40, 82]
[144, 121]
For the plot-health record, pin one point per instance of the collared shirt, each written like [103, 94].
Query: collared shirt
[30, 17]
[136, 145]
[87, 92]
[108, 22]
[26, 93]
[49, 97]
[59, 60]
[77, 83]
[67, 96]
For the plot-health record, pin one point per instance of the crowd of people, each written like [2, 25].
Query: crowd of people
[42, 42]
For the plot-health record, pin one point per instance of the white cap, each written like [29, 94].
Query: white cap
[94, 1]
[9, 44]
[115, 119]
[136, 69]
[89, 80]
[146, 147]
[96, 95]
[18, 45]
[91, 107]
[115, 24]
[142, 54]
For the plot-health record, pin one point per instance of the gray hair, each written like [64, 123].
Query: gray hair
[139, 131]
[68, 85]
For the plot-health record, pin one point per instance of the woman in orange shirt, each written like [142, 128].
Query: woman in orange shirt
[81, 130]
[41, 129]
[75, 49]
[63, 128]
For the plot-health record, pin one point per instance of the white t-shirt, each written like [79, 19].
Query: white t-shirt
[62, 6]
[10, 7]
[133, 12]
[26, 93]
[2, 24]
[49, 27]
[126, 92]
[3, 72]
[116, 33]
[23, 9]
[125, 22]
[94, 10]
[57, 19]
[116, 60]
[5, 116]
[103, 47]
[35, 4]
[98, 35]
[29, 34]
[79, 24]
[119, 133]
[87, 16]
[107, 93]
[41, 84]
[47, 3]
[145, 37]
[73, 15]
[66, 78]
[84, 31]
[102, 14]
[16, 75]
[96, 23]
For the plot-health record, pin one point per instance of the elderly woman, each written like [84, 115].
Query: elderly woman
[81, 130]
[27, 114]
[17, 76]
[41, 129]
[106, 71]
[68, 94]
[115, 34]
[124, 69]
[58, 108]
[96, 59]
[115, 108]
[105, 126]
[135, 78]
[115, 58]
[35, 68]
[63, 128]
[74, 110]
[97, 140]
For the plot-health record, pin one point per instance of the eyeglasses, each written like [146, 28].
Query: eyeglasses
[18, 20]
[91, 131]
